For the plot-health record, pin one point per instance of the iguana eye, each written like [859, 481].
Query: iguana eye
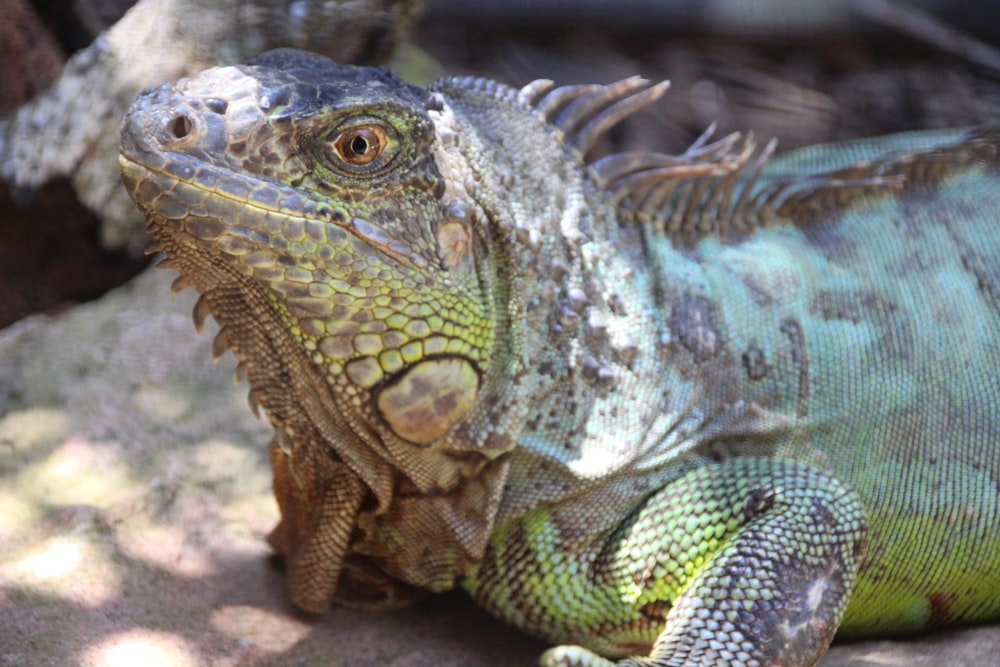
[360, 145]
[362, 149]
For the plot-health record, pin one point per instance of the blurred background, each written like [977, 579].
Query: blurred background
[804, 71]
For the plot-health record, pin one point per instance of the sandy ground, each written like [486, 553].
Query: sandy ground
[134, 501]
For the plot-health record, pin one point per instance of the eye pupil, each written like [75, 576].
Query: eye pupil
[359, 145]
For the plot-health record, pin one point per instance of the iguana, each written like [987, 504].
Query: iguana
[708, 407]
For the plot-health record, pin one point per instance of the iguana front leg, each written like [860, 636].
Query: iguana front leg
[320, 499]
[745, 562]
[319, 502]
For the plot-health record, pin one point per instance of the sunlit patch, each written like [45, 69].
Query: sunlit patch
[81, 472]
[58, 558]
[141, 647]
[269, 631]
[17, 515]
[252, 517]
[61, 560]
[167, 548]
[31, 428]
[235, 469]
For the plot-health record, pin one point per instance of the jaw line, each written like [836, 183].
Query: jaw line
[358, 227]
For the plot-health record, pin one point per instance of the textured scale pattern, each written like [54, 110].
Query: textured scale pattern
[697, 409]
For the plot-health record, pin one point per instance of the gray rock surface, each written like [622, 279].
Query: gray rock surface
[134, 502]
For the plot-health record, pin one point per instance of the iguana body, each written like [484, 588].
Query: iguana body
[691, 401]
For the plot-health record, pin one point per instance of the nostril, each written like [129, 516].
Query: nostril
[179, 126]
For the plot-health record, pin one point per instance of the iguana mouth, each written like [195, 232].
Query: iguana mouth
[202, 195]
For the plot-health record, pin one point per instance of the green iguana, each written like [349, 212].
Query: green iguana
[706, 407]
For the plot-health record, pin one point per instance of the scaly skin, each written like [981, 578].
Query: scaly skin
[708, 407]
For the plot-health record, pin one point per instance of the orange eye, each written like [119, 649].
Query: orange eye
[360, 146]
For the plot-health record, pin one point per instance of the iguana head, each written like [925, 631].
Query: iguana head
[315, 187]
[391, 260]
[415, 282]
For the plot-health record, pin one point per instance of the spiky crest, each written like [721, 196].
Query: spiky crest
[585, 112]
[714, 187]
